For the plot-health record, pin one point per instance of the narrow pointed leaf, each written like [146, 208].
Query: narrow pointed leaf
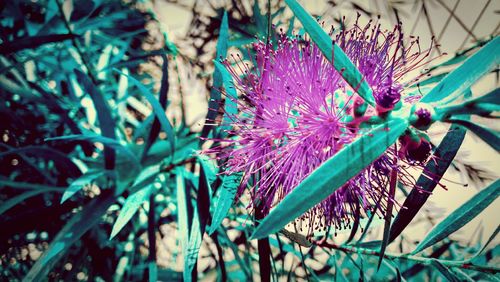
[492, 237]
[461, 78]
[79, 183]
[489, 136]
[78, 225]
[18, 44]
[129, 208]
[388, 215]
[183, 217]
[445, 153]
[162, 99]
[199, 224]
[460, 216]
[13, 201]
[450, 276]
[157, 109]
[331, 175]
[215, 96]
[484, 106]
[106, 122]
[227, 192]
[332, 52]
[107, 142]
[231, 106]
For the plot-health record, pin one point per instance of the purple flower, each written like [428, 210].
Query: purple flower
[295, 112]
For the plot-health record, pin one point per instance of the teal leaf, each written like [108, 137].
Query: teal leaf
[157, 109]
[331, 175]
[489, 136]
[13, 201]
[461, 78]
[227, 192]
[483, 106]
[80, 223]
[162, 99]
[107, 142]
[444, 155]
[333, 52]
[492, 237]
[215, 96]
[460, 216]
[445, 271]
[492, 97]
[430, 80]
[61, 160]
[199, 224]
[182, 216]
[80, 182]
[152, 272]
[9, 47]
[129, 208]
[231, 105]
[106, 122]
[388, 215]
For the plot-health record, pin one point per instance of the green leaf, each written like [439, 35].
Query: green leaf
[80, 182]
[215, 96]
[331, 175]
[182, 215]
[28, 186]
[492, 237]
[162, 99]
[107, 142]
[489, 136]
[461, 78]
[444, 155]
[227, 192]
[460, 216]
[231, 105]
[157, 109]
[32, 42]
[106, 122]
[333, 52]
[483, 106]
[388, 215]
[430, 80]
[80, 223]
[199, 224]
[492, 97]
[129, 208]
[450, 276]
[209, 167]
[61, 160]
[152, 272]
[12, 202]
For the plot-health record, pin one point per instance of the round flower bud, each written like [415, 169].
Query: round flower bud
[387, 95]
[419, 154]
[422, 116]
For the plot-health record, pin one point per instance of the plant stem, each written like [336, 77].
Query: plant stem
[264, 252]
[152, 229]
[426, 261]
[220, 253]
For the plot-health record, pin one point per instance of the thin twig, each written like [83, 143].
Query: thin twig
[459, 21]
[475, 23]
[80, 52]
[426, 261]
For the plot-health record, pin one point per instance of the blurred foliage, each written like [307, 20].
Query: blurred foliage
[92, 148]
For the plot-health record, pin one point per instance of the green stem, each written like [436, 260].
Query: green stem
[426, 261]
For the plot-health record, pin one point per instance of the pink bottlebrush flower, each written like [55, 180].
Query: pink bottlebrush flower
[295, 112]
